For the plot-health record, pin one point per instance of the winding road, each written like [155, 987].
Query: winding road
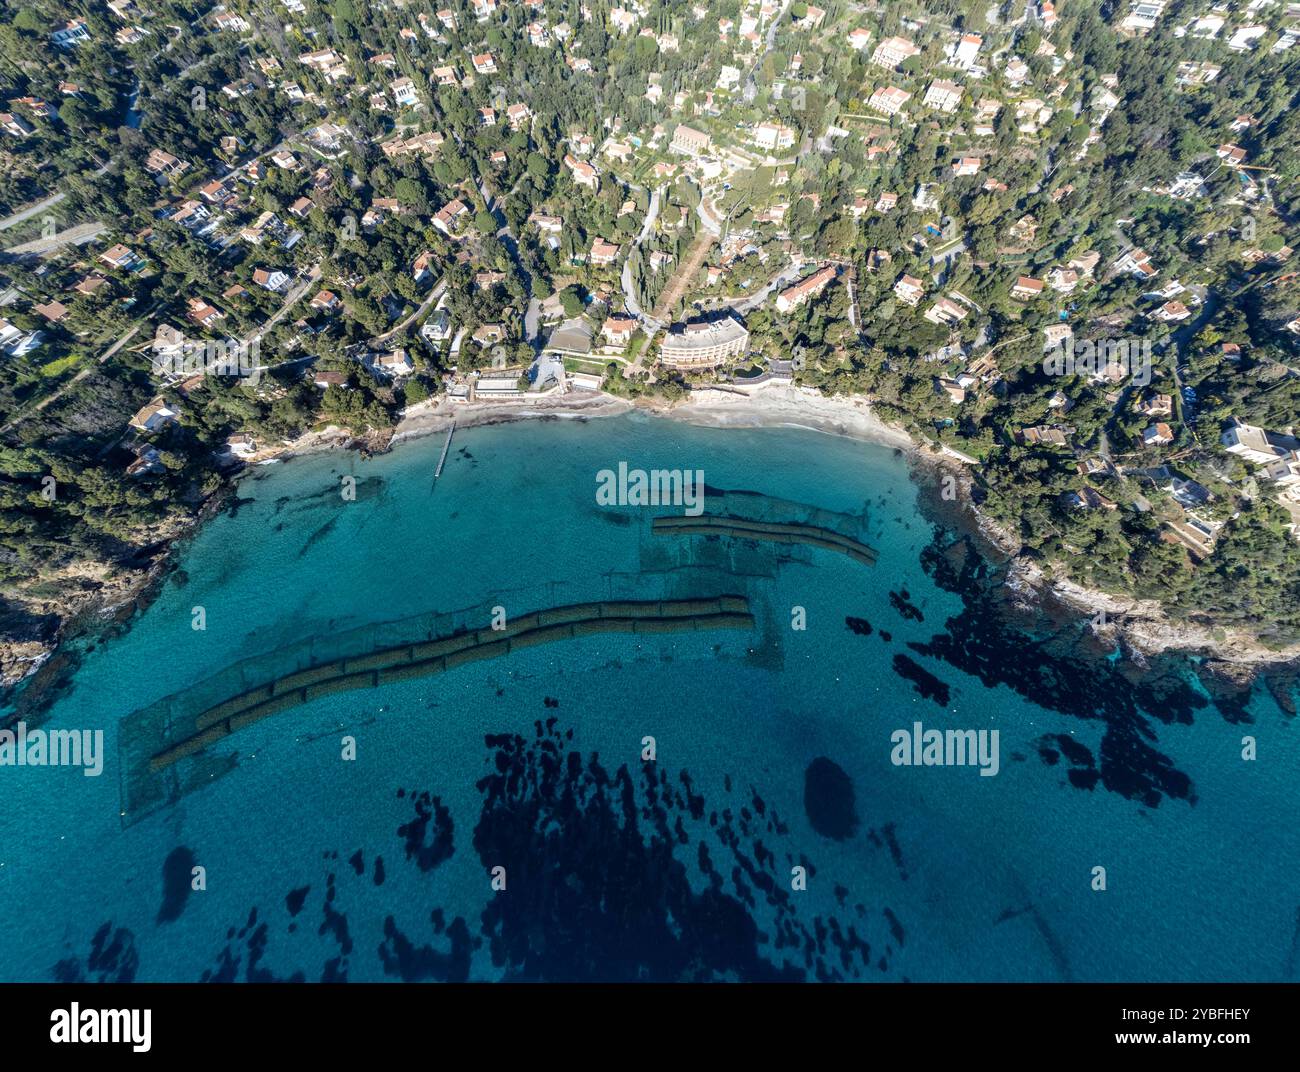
[652, 214]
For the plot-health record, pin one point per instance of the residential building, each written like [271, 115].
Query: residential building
[728, 77]
[394, 363]
[967, 49]
[1251, 443]
[1142, 16]
[1284, 471]
[1158, 405]
[1172, 312]
[1026, 287]
[1157, 435]
[704, 344]
[202, 313]
[404, 92]
[157, 414]
[445, 219]
[892, 51]
[270, 279]
[942, 96]
[71, 34]
[1136, 262]
[689, 141]
[159, 162]
[240, 445]
[1044, 435]
[121, 258]
[603, 253]
[618, 330]
[808, 288]
[1063, 280]
[946, 311]
[16, 125]
[909, 289]
[437, 329]
[584, 174]
[955, 392]
[772, 136]
[888, 100]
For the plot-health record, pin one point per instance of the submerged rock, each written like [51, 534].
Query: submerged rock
[829, 799]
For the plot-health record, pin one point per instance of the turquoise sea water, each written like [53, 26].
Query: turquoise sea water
[677, 868]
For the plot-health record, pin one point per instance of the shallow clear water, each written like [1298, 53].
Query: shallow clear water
[943, 875]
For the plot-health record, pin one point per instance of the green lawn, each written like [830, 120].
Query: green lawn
[579, 364]
[60, 365]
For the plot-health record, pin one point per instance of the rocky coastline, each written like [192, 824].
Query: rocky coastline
[100, 601]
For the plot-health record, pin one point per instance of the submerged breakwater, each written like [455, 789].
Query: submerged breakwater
[504, 731]
[435, 656]
[768, 531]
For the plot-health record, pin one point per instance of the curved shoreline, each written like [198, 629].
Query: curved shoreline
[1141, 626]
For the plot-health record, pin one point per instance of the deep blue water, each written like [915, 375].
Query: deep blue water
[773, 750]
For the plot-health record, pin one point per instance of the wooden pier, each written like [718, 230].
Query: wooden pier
[445, 448]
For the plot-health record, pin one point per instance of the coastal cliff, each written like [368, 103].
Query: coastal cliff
[1143, 628]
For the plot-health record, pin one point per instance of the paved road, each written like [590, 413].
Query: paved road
[1182, 339]
[28, 213]
[786, 276]
[430, 300]
[751, 86]
[41, 206]
[290, 300]
[507, 238]
[707, 220]
[76, 236]
[40, 405]
[652, 214]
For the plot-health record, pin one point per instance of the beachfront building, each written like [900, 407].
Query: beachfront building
[155, 415]
[704, 343]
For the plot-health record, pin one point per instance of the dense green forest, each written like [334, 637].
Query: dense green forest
[1081, 133]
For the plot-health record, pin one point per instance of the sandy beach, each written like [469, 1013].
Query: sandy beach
[781, 406]
[428, 418]
[773, 406]
[1141, 624]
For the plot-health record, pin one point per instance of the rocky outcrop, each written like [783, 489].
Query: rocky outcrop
[1142, 625]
